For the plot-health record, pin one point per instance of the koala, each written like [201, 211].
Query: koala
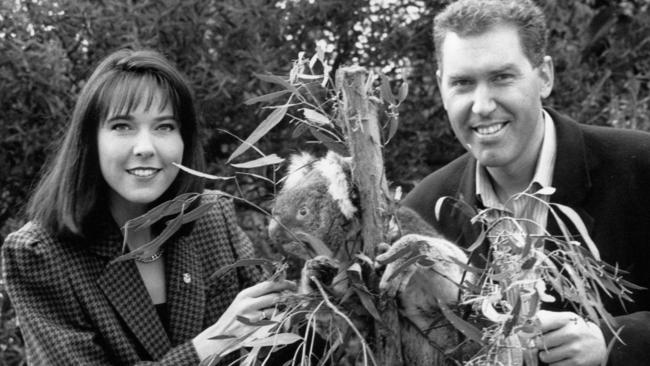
[315, 201]
[318, 202]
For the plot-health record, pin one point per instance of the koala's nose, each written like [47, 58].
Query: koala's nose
[276, 231]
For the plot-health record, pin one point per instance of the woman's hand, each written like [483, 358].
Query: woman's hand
[569, 340]
[254, 303]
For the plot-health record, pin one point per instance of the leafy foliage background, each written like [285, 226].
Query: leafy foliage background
[601, 50]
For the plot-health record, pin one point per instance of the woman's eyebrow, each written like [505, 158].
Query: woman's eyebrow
[120, 117]
[164, 117]
[129, 117]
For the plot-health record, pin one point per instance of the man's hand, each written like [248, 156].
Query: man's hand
[570, 340]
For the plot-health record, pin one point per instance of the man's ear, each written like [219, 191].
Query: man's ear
[546, 73]
[439, 81]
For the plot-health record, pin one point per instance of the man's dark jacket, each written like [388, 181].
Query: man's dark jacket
[602, 173]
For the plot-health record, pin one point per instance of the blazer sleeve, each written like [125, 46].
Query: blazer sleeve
[635, 334]
[50, 317]
[241, 246]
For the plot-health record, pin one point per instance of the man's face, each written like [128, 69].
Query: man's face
[492, 95]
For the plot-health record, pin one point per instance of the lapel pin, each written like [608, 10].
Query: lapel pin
[187, 278]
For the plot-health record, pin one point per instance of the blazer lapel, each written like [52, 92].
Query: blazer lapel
[123, 286]
[185, 291]
[467, 184]
[571, 177]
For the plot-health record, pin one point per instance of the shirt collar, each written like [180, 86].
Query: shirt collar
[543, 176]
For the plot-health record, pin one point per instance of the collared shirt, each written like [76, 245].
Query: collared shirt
[525, 207]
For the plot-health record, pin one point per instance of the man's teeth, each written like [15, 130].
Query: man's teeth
[489, 130]
[143, 172]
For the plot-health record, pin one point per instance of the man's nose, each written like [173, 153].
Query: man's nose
[483, 103]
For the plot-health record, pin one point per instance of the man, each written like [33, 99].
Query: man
[493, 74]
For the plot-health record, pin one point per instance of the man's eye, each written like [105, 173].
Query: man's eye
[461, 83]
[503, 77]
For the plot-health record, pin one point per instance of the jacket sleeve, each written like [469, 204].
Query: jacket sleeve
[241, 246]
[50, 317]
[635, 334]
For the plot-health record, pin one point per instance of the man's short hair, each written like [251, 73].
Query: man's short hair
[473, 17]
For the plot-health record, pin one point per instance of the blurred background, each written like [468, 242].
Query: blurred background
[601, 50]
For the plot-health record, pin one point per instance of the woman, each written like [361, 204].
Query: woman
[134, 117]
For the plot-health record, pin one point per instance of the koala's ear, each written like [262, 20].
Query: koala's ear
[333, 168]
[299, 166]
[344, 162]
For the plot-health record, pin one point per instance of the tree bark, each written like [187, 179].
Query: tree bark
[363, 135]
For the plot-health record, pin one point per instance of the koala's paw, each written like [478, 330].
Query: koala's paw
[418, 283]
[323, 268]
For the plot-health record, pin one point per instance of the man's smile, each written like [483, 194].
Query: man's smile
[491, 129]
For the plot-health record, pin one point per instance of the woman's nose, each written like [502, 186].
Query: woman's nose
[143, 145]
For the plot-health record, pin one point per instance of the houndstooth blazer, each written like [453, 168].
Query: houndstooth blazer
[76, 308]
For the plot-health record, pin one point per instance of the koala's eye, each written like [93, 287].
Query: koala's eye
[303, 211]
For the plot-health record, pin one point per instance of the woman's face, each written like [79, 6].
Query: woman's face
[136, 150]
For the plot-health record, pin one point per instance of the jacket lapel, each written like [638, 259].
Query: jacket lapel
[571, 177]
[123, 286]
[185, 291]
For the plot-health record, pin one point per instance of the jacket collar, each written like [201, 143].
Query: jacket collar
[571, 177]
[125, 290]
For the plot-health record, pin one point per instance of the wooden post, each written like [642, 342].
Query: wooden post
[362, 131]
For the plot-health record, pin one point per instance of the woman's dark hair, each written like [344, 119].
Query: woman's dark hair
[72, 189]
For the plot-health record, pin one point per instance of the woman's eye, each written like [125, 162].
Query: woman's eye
[167, 127]
[120, 127]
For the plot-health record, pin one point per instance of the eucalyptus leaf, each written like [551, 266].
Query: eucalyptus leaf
[467, 329]
[222, 336]
[331, 144]
[268, 264]
[266, 97]
[260, 162]
[316, 117]
[392, 127]
[278, 339]
[148, 249]
[200, 174]
[259, 323]
[167, 208]
[278, 80]
[385, 91]
[368, 304]
[407, 250]
[403, 92]
[582, 229]
[271, 121]
[404, 266]
[355, 274]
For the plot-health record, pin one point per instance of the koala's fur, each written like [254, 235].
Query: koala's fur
[314, 200]
[317, 199]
